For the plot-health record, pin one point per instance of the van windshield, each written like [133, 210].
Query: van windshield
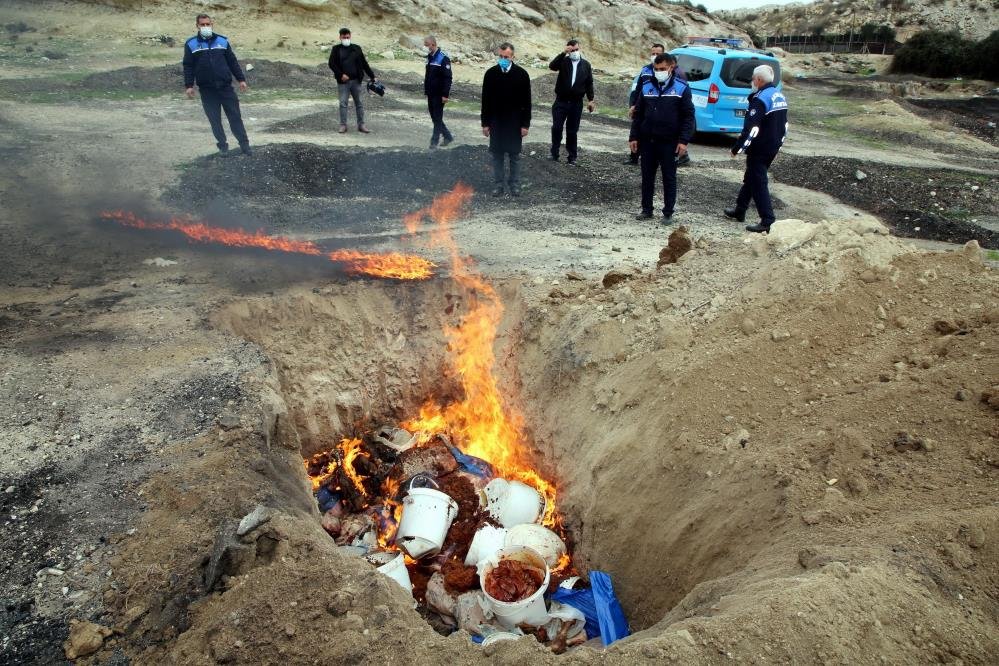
[738, 72]
[697, 69]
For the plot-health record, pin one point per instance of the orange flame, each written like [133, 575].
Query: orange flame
[351, 450]
[391, 265]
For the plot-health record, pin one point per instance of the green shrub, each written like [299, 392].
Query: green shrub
[946, 55]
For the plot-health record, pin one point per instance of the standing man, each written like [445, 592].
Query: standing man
[575, 79]
[662, 126]
[437, 88]
[349, 67]
[506, 116]
[210, 62]
[645, 73]
[762, 136]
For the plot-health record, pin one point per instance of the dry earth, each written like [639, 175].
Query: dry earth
[725, 431]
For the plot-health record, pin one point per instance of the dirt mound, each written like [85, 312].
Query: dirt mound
[916, 203]
[977, 115]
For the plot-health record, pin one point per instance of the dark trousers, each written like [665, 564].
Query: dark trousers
[661, 155]
[436, 106]
[755, 187]
[499, 173]
[566, 114]
[216, 100]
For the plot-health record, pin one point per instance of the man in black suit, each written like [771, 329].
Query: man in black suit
[575, 81]
[506, 116]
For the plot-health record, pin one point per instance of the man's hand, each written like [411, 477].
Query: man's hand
[681, 149]
[734, 155]
[631, 112]
[443, 100]
[633, 146]
[344, 78]
[592, 105]
[189, 92]
[523, 132]
[568, 49]
[243, 87]
[485, 131]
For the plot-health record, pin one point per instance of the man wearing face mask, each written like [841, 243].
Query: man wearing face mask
[645, 73]
[506, 116]
[763, 134]
[210, 62]
[662, 127]
[575, 80]
[349, 67]
[437, 88]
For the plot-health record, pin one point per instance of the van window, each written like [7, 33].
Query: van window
[697, 69]
[738, 72]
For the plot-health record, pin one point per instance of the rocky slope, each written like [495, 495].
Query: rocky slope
[972, 18]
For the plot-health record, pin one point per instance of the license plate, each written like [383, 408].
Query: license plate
[740, 113]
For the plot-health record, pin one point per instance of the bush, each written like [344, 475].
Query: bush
[947, 54]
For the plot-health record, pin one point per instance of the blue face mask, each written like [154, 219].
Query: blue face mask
[504, 62]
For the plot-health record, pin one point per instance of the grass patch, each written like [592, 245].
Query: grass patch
[65, 96]
[992, 255]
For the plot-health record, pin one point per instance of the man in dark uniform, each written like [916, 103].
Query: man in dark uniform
[506, 116]
[762, 136]
[437, 88]
[210, 62]
[575, 80]
[349, 67]
[661, 129]
[645, 73]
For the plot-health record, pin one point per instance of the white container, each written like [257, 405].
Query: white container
[485, 544]
[530, 611]
[397, 571]
[427, 515]
[500, 636]
[513, 503]
[548, 544]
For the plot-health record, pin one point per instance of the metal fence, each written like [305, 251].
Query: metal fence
[829, 44]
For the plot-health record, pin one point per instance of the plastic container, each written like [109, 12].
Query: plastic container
[530, 611]
[513, 503]
[485, 544]
[394, 568]
[548, 544]
[500, 636]
[427, 515]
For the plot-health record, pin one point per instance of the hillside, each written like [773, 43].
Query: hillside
[974, 19]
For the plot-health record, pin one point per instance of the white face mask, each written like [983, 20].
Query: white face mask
[345, 42]
[205, 31]
[575, 56]
[427, 50]
[662, 77]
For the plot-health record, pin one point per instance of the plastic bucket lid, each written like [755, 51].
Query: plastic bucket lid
[548, 544]
[427, 515]
[500, 636]
[485, 544]
[514, 502]
[532, 610]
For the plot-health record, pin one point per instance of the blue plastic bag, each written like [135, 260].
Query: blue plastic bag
[327, 499]
[472, 465]
[604, 616]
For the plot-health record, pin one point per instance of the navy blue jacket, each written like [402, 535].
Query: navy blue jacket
[649, 73]
[664, 112]
[210, 62]
[437, 80]
[765, 127]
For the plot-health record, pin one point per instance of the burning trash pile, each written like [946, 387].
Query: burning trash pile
[468, 544]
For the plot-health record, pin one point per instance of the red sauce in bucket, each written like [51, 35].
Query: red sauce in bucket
[512, 581]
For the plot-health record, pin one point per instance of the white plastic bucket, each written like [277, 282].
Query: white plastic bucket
[427, 515]
[397, 571]
[548, 544]
[513, 503]
[485, 544]
[530, 611]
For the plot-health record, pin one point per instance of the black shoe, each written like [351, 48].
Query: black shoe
[514, 191]
[735, 214]
[433, 146]
[498, 191]
[245, 149]
[571, 161]
[225, 152]
[643, 216]
[667, 220]
[758, 228]
[554, 158]
[447, 142]
[683, 161]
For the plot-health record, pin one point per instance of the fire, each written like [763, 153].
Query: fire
[391, 265]
[351, 450]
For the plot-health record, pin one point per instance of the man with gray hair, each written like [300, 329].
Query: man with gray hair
[437, 88]
[762, 136]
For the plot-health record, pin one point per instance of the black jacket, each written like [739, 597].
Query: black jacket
[664, 112]
[506, 107]
[210, 63]
[765, 126]
[349, 60]
[565, 89]
[437, 80]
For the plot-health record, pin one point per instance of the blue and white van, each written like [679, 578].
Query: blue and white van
[720, 74]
